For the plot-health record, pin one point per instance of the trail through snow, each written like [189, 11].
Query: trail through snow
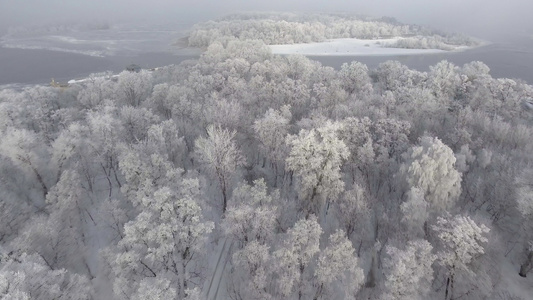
[217, 279]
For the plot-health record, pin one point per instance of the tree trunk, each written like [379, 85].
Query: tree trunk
[225, 200]
[451, 287]
[275, 175]
[527, 265]
[41, 181]
[318, 293]
[449, 284]
[183, 281]
[447, 287]
[290, 176]
[311, 204]
[108, 179]
[300, 294]
[371, 281]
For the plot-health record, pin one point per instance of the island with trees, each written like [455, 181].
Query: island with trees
[293, 29]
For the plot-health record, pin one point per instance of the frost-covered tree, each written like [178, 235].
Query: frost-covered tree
[377, 151]
[96, 89]
[159, 102]
[152, 162]
[193, 294]
[505, 100]
[353, 212]
[113, 214]
[419, 106]
[393, 75]
[13, 212]
[252, 272]
[338, 274]
[152, 288]
[165, 139]
[444, 79]
[292, 259]
[356, 134]
[414, 212]
[329, 98]
[67, 147]
[79, 148]
[104, 132]
[185, 105]
[25, 277]
[430, 167]
[524, 200]
[475, 69]
[135, 121]
[355, 79]
[390, 139]
[25, 150]
[252, 214]
[226, 114]
[145, 172]
[60, 238]
[40, 109]
[221, 157]
[409, 272]
[462, 242]
[133, 88]
[164, 240]
[271, 131]
[316, 157]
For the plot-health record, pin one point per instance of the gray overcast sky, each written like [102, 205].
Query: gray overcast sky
[484, 17]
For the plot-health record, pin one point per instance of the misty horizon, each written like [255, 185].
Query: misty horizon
[486, 19]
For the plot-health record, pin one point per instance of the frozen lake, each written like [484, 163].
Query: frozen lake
[36, 58]
[509, 58]
[40, 66]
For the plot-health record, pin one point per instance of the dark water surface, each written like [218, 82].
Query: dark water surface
[511, 58]
[40, 66]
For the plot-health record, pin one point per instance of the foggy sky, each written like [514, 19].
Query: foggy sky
[477, 17]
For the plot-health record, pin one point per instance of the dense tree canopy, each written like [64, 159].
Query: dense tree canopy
[249, 175]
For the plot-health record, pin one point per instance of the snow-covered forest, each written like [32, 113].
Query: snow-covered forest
[246, 175]
[288, 28]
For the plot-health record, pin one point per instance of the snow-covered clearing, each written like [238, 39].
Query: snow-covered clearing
[352, 47]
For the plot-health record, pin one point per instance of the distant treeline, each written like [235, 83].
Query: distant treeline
[288, 28]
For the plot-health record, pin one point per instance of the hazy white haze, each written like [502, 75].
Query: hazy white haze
[485, 18]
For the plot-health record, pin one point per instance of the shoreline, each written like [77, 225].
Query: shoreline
[359, 47]
[39, 66]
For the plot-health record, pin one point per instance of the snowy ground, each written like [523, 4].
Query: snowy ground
[514, 284]
[351, 47]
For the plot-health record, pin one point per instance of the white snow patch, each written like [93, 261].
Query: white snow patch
[73, 40]
[512, 283]
[84, 80]
[95, 53]
[352, 47]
